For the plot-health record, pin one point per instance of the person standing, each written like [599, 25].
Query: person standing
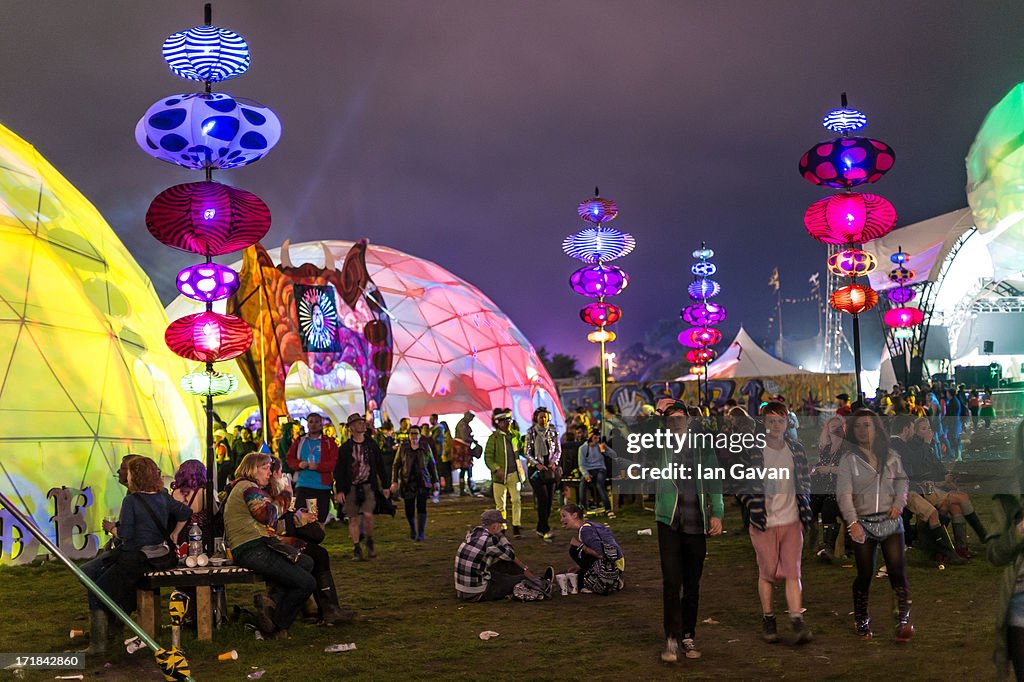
[314, 458]
[543, 453]
[358, 478]
[780, 510]
[415, 474]
[843, 405]
[506, 471]
[443, 440]
[687, 511]
[823, 484]
[462, 454]
[593, 470]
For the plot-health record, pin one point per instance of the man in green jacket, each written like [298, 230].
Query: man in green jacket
[501, 458]
[688, 509]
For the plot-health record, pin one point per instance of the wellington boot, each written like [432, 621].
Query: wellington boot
[98, 631]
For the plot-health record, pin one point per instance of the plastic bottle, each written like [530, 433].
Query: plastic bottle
[195, 540]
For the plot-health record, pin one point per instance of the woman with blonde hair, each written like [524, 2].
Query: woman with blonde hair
[831, 447]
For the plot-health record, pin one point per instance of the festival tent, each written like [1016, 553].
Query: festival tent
[85, 377]
[453, 349]
[744, 358]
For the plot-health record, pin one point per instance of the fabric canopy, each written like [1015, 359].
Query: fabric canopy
[744, 358]
[927, 242]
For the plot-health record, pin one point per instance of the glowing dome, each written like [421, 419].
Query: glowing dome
[86, 375]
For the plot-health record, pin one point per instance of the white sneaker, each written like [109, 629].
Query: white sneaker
[690, 649]
[671, 652]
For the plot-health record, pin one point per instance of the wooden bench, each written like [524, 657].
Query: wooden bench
[203, 579]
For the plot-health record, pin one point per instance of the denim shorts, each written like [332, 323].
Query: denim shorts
[1015, 617]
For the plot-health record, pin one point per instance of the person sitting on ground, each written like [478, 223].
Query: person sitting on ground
[599, 558]
[143, 536]
[415, 475]
[250, 531]
[486, 567]
[593, 470]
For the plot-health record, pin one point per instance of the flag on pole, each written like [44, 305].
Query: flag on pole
[774, 281]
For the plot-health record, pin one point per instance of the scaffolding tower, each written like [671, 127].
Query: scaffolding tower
[835, 337]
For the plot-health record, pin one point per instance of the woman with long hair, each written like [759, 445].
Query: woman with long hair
[823, 487]
[599, 558]
[1006, 548]
[188, 488]
[250, 531]
[415, 474]
[871, 489]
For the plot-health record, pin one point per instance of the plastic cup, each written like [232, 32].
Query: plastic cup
[202, 560]
[228, 656]
[75, 633]
[311, 506]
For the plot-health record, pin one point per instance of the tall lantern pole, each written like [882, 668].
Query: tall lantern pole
[596, 245]
[704, 315]
[848, 218]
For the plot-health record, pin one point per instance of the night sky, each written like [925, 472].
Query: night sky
[467, 132]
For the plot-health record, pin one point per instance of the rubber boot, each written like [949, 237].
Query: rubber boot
[830, 533]
[860, 613]
[422, 519]
[326, 597]
[977, 525]
[371, 552]
[98, 630]
[904, 630]
[941, 540]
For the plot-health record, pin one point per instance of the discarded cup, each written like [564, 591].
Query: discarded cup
[488, 634]
[256, 674]
[202, 560]
[338, 648]
[190, 561]
[75, 633]
[133, 644]
[228, 656]
[644, 531]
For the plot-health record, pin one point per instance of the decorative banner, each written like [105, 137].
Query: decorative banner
[317, 314]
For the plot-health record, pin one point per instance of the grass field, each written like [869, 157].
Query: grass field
[410, 624]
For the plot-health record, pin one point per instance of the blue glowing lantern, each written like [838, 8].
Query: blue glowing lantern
[207, 53]
[702, 289]
[899, 258]
[594, 244]
[703, 268]
[703, 253]
[844, 120]
[208, 130]
[597, 210]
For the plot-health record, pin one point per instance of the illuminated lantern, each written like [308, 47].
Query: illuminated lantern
[703, 288]
[597, 210]
[209, 383]
[703, 253]
[853, 299]
[697, 370]
[598, 280]
[593, 244]
[899, 258]
[705, 314]
[903, 334]
[208, 130]
[207, 53]
[847, 162]
[903, 318]
[600, 314]
[901, 275]
[699, 356]
[207, 282]
[703, 268]
[700, 337]
[600, 335]
[208, 337]
[850, 218]
[901, 295]
[844, 120]
[207, 218]
[851, 263]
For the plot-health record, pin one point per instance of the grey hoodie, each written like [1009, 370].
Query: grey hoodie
[861, 491]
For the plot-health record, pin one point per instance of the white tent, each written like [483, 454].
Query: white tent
[744, 358]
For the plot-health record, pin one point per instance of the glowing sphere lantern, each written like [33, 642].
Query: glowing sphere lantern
[704, 314]
[903, 334]
[597, 210]
[699, 356]
[601, 335]
[850, 218]
[207, 53]
[853, 299]
[700, 337]
[209, 383]
[851, 263]
[207, 218]
[208, 130]
[698, 370]
[901, 274]
[703, 253]
[207, 282]
[846, 162]
[594, 244]
[903, 318]
[702, 289]
[901, 295]
[899, 258]
[844, 120]
[208, 337]
[703, 268]
[600, 314]
[598, 280]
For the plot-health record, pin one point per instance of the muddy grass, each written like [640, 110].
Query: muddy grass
[410, 625]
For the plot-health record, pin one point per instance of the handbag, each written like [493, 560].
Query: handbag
[384, 505]
[289, 552]
[160, 557]
[879, 526]
[312, 531]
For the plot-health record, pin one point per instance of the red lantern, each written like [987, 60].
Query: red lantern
[600, 314]
[853, 299]
[208, 337]
[850, 218]
[700, 337]
[207, 218]
[903, 318]
[699, 356]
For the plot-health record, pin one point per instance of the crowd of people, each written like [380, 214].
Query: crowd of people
[877, 483]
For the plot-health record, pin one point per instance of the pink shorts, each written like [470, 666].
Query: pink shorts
[778, 551]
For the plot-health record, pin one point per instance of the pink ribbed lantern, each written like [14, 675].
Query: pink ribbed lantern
[207, 218]
[700, 337]
[903, 318]
[850, 218]
[208, 337]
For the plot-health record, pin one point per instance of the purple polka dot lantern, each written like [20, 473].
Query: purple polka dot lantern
[846, 162]
[901, 295]
[704, 314]
[597, 281]
[207, 282]
[208, 130]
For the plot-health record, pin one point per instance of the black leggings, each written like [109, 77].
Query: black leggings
[415, 502]
[1015, 647]
[895, 562]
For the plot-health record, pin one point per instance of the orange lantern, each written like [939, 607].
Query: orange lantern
[853, 299]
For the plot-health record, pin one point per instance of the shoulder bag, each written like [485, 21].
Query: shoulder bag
[162, 556]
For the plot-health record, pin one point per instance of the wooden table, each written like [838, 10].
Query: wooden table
[203, 579]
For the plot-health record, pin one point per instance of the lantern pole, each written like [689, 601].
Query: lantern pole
[604, 391]
[856, 357]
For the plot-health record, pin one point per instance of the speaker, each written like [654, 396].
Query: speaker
[988, 347]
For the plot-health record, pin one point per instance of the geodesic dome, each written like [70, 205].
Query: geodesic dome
[454, 349]
[85, 377]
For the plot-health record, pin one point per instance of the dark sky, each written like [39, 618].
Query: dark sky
[466, 132]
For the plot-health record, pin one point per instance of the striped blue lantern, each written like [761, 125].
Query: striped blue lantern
[844, 120]
[598, 244]
[207, 53]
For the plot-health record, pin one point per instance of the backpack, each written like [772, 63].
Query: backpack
[532, 590]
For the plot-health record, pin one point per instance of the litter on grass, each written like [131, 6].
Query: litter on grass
[488, 634]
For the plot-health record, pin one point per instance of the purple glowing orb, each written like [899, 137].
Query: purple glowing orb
[704, 314]
[901, 295]
[702, 289]
[207, 282]
[598, 280]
